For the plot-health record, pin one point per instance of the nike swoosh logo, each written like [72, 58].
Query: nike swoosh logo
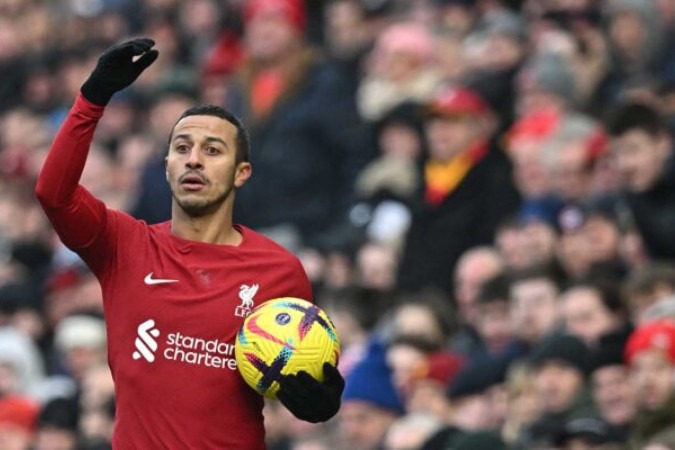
[149, 280]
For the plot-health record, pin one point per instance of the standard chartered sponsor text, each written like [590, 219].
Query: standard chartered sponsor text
[192, 350]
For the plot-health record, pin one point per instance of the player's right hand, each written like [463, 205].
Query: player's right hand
[116, 69]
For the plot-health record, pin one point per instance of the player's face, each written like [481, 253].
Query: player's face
[201, 165]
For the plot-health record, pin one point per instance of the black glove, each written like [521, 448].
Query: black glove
[116, 69]
[311, 400]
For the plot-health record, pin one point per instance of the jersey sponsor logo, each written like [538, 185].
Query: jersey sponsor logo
[246, 294]
[145, 342]
[182, 348]
[150, 281]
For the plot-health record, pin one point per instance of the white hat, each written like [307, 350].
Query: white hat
[80, 331]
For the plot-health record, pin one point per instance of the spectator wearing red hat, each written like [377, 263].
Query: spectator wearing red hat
[575, 160]
[307, 142]
[650, 353]
[427, 393]
[523, 143]
[466, 189]
[18, 417]
[421, 373]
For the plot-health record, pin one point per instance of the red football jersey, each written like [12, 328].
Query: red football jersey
[172, 307]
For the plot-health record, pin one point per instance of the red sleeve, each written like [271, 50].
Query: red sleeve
[303, 286]
[77, 216]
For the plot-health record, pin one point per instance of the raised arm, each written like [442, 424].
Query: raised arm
[75, 214]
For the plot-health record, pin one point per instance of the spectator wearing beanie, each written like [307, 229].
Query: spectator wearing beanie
[80, 341]
[370, 402]
[650, 354]
[545, 83]
[475, 393]
[560, 366]
[611, 387]
[585, 433]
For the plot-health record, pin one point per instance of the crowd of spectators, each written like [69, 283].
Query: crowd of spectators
[482, 193]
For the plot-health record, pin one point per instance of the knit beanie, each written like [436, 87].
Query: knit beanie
[477, 377]
[370, 381]
[606, 356]
[549, 73]
[60, 413]
[562, 348]
[291, 10]
[657, 335]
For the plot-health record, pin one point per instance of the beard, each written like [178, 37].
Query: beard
[198, 207]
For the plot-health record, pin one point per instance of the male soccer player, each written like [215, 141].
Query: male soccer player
[176, 293]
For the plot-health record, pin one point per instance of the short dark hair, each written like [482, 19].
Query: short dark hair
[608, 292]
[548, 272]
[243, 141]
[495, 289]
[635, 116]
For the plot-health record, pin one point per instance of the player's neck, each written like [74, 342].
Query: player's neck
[213, 228]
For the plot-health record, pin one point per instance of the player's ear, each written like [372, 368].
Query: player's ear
[166, 167]
[243, 172]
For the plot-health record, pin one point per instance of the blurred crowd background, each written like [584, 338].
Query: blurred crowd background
[482, 193]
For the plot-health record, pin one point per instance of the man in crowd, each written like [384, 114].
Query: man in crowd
[643, 148]
[650, 354]
[466, 193]
[168, 286]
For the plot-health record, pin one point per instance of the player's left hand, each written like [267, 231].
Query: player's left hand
[311, 400]
[117, 68]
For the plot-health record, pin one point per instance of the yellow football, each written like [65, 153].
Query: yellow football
[284, 336]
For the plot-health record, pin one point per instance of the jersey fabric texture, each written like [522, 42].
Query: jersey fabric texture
[172, 308]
